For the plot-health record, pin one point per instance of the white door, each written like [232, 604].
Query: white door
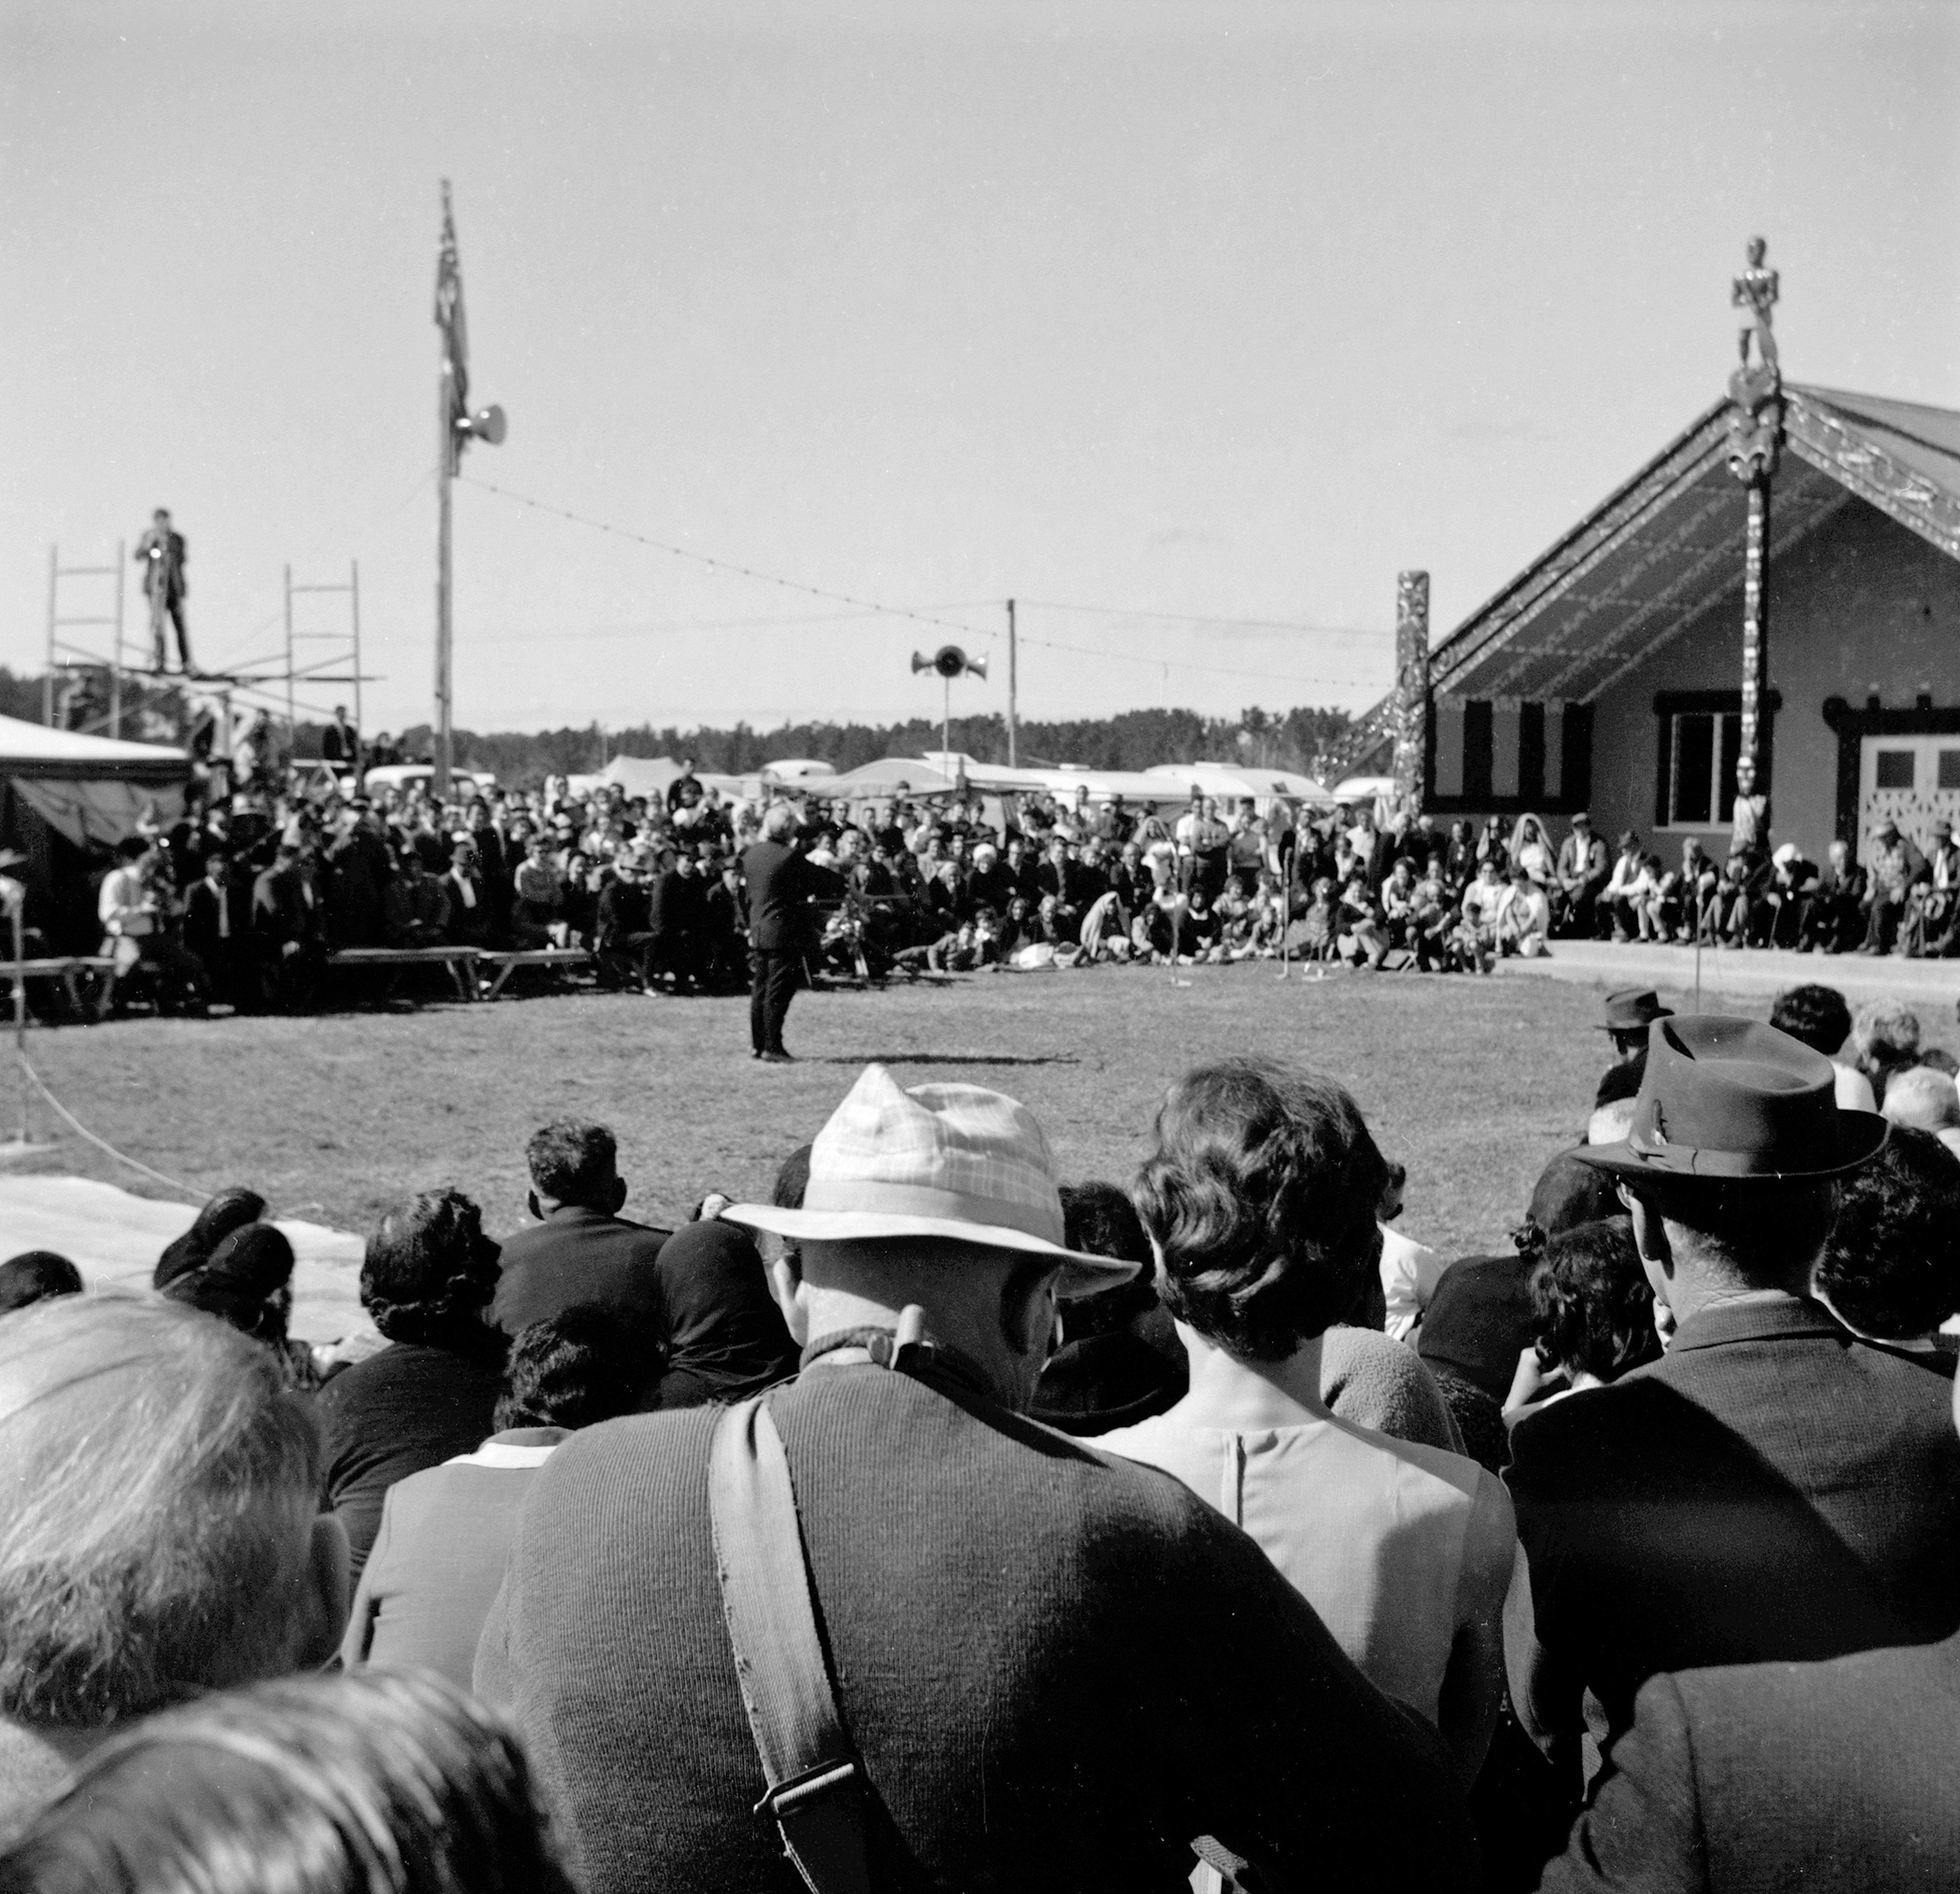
[1914, 779]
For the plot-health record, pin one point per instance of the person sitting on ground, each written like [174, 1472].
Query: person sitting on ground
[247, 1281]
[1792, 1446]
[372, 1784]
[1895, 867]
[1884, 1039]
[1523, 916]
[1592, 1317]
[1261, 1202]
[1818, 1017]
[581, 1251]
[233, 1208]
[428, 1276]
[34, 1275]
[158, 1528]
[1119, 1360]
[1582, 874]
[724, 1337]
[1890, 1270]
[445, 1532]
[1363, 938]
[1623, 894]
[973, 1573]
[1924, 1097]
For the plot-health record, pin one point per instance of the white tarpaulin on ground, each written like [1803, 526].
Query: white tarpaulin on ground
[114, 1239]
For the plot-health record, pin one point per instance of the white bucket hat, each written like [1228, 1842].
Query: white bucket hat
[956, 1161]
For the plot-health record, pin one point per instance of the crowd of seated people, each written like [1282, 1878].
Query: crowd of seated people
[242, 904]
[1140, 1545]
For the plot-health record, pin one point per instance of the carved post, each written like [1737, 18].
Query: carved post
[1755, 438]
[1411, 688]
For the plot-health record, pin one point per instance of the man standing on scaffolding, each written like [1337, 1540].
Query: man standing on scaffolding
[160, 554]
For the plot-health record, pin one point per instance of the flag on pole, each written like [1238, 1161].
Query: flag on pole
[455, 332]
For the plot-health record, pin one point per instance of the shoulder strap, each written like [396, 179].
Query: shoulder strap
[816, 1787]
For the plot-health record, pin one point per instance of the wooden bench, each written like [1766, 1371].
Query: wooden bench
[69, 969]
[459, 962]
[507, 961]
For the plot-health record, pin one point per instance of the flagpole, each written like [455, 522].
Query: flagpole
[444, 758]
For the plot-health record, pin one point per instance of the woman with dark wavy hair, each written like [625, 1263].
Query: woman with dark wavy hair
[386, 1783]
[1261, 1200]
[427, 1280]
[1592, 1316]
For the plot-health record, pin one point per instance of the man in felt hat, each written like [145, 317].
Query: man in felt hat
[1055, 1668]
[1773, 1487]
[1629, 1014]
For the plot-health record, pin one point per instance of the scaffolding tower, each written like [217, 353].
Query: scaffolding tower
[343, 645]
[72, 660]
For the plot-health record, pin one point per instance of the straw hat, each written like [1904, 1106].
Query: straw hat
[955, 1162]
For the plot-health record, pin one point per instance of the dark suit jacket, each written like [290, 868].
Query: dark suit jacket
[280, 910]
[574, 1258]
[201, 909]
[1767, 1778]
[1772, 1488]
[781, 884]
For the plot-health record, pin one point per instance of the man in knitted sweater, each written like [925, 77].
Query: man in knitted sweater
[1056, 1668]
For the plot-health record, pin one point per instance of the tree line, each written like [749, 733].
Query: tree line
[1313, 741]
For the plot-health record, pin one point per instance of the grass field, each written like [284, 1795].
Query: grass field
[1471, 1083]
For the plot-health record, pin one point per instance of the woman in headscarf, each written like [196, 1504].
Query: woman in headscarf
[247, 1281]
[231, 1209]
[1532, 851]
[726, 1337]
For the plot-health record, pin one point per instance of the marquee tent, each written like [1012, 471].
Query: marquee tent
[88, 789]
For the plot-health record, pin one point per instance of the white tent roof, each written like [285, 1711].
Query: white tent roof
[32, 750]
[1237, 779]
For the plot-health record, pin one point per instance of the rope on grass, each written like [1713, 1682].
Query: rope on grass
[76, 1125]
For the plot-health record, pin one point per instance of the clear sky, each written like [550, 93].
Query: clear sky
[1216, 311]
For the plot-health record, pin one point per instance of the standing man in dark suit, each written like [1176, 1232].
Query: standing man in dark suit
[286, 923]
[161, 555]
[582, 1252]
[217, 929]
[1837, 1774]
[781, 886]
[1772, 1488]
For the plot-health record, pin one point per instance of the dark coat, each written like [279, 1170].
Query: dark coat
[1666, 1517]
[201, 920]
[280, 910]
[781, 885]
[577, 1257]
[1056, 1666]
[1764, 1777]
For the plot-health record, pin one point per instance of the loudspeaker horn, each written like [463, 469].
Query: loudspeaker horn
[487, 424]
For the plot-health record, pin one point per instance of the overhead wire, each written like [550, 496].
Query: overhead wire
[869, 605]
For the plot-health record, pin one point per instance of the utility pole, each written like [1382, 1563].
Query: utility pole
[457, 426]
[1012, 686]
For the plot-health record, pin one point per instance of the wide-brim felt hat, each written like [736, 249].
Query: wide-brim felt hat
[1734, 1100]
[1634, 1009]
[953, 1161]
